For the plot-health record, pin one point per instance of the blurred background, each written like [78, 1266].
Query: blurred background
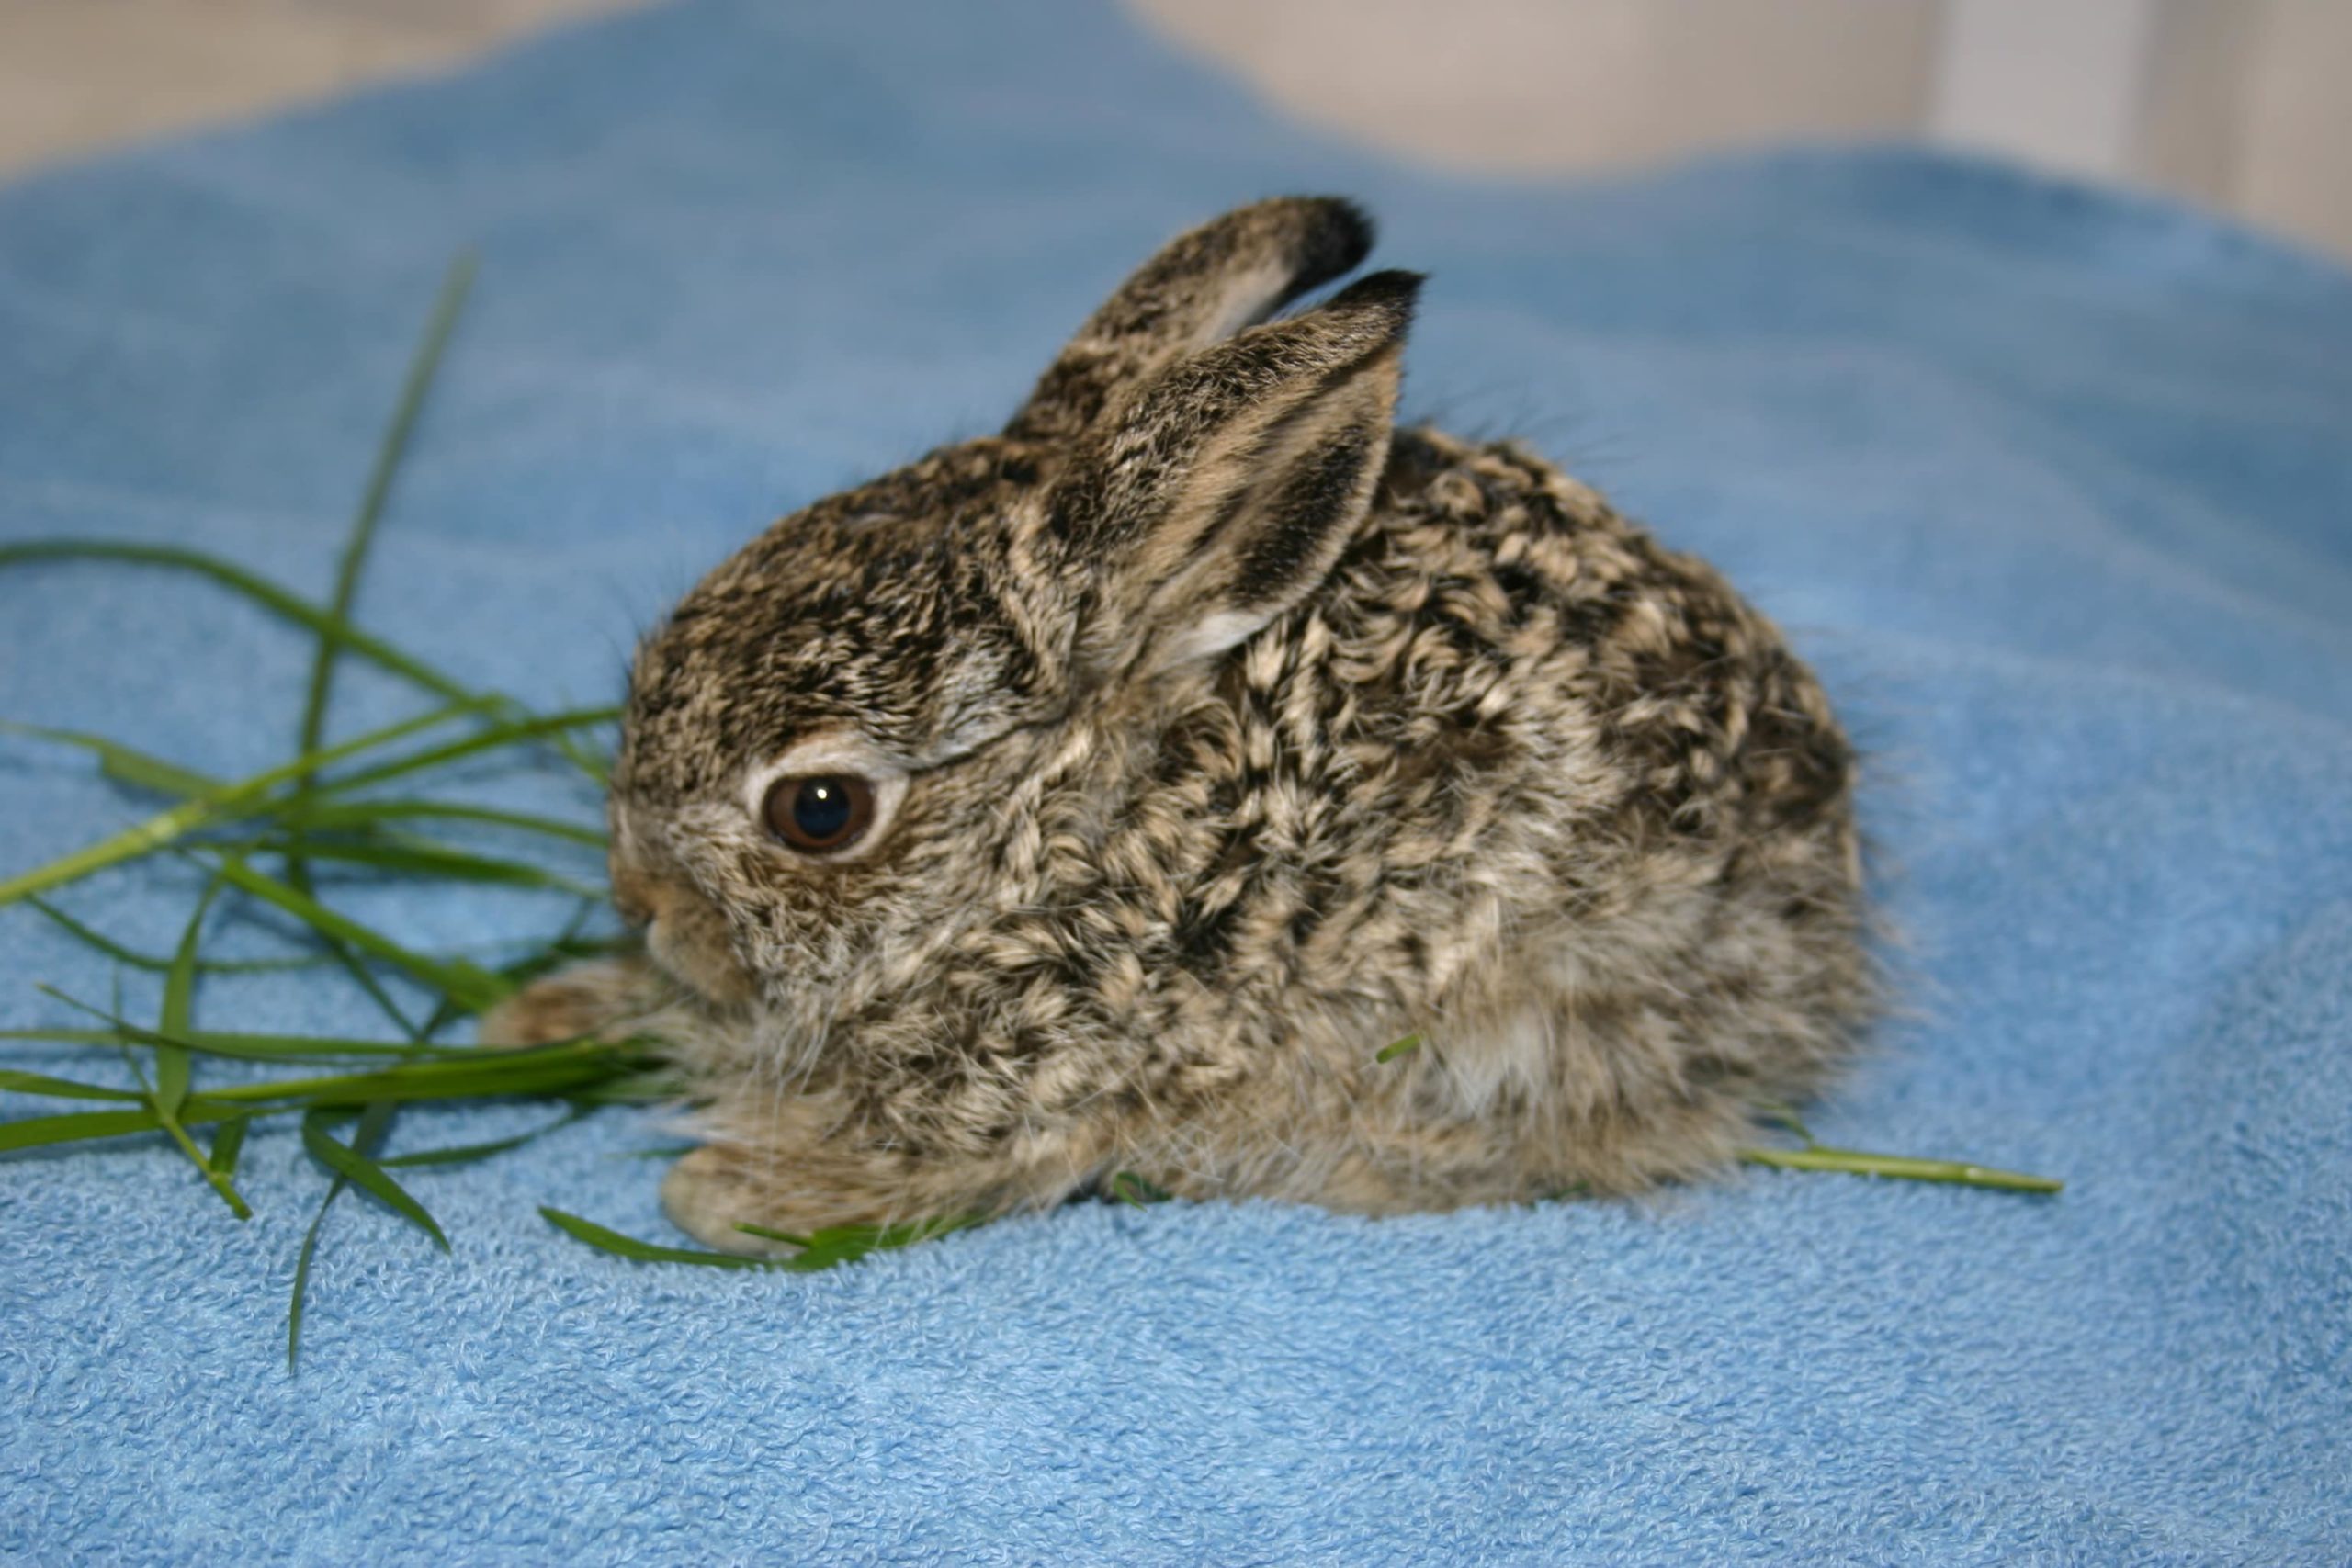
[2239, 106]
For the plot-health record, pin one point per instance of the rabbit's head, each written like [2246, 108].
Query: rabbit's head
[854, 734]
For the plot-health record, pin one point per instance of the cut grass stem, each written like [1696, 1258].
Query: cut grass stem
[157, 964]
[226, 804]
[374, 1121]
[455, 286]
[311, 731]
[274, 597]
[1901, 1167]
[471, 988]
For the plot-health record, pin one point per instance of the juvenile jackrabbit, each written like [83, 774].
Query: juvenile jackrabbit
[1103, 796]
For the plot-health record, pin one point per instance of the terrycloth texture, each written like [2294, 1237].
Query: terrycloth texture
[2055, 488]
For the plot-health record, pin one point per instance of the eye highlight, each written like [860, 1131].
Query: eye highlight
[818, 813]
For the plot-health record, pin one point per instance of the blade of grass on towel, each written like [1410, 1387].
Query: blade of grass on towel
[467, 985]
[328, 816]
[156, 963]
[409, 855]
[272, 596]
[311, 731]
[225, 804]
[373, 1123]
[122, 763]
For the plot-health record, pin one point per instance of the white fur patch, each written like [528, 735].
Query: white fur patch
[1212, 635]
[1247, 296]
[1513, 1054]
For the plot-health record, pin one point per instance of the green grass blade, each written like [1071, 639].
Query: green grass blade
[228, 1143]
[564, 1066]
[1135, 1190]
[214, 1178]
[178, 822]
[1901, 1167]
[509, 733]
[121, 763]
[473, 1074]
[328, 816]
[455, 286]
[34, 1131]
[471, 988]
[414, 857]
[302, 1274]
[276, 599]
[338, 952]
[789, 1238]
[269, 596]
[469, 1154]
[179, 993]
[327, 756]
[243, 1047]
[587, 762]
[312, 727]
[63, 1089]
[351, 1162]
[156, 964]
[367, 1175]
[570, 946]
[373, 1123]
[644, 1087]
[167, 1117]
[90, 1126]
[1785, 1116]
[1389, 1053]
[629, 1247]
[836, 1245]
[394, 1013]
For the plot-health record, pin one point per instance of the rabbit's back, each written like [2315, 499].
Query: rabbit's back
[1517, 779]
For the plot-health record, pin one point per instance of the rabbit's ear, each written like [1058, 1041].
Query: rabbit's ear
[1201, 289]
[1221, 493]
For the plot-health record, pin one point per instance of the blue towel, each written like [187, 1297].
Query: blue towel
[2053, 485]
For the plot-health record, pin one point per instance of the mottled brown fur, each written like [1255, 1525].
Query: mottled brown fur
[1240, 735]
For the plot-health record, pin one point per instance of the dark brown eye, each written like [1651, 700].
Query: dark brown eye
[819, 813]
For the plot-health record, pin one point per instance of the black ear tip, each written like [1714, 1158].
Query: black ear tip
[1344, 236]
[1334, 238]
[1392, 293]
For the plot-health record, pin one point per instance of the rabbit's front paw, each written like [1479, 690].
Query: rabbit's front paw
[706, 1197]
[581, 1001]
[714, 1192]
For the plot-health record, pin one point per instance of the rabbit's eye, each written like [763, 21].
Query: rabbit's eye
[818, 813]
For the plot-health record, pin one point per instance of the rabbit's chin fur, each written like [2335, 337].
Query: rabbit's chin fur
[1221, 736]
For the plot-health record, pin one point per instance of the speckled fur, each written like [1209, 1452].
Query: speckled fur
[1243, 734]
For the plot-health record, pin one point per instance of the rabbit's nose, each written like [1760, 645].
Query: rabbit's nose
[637, 898]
